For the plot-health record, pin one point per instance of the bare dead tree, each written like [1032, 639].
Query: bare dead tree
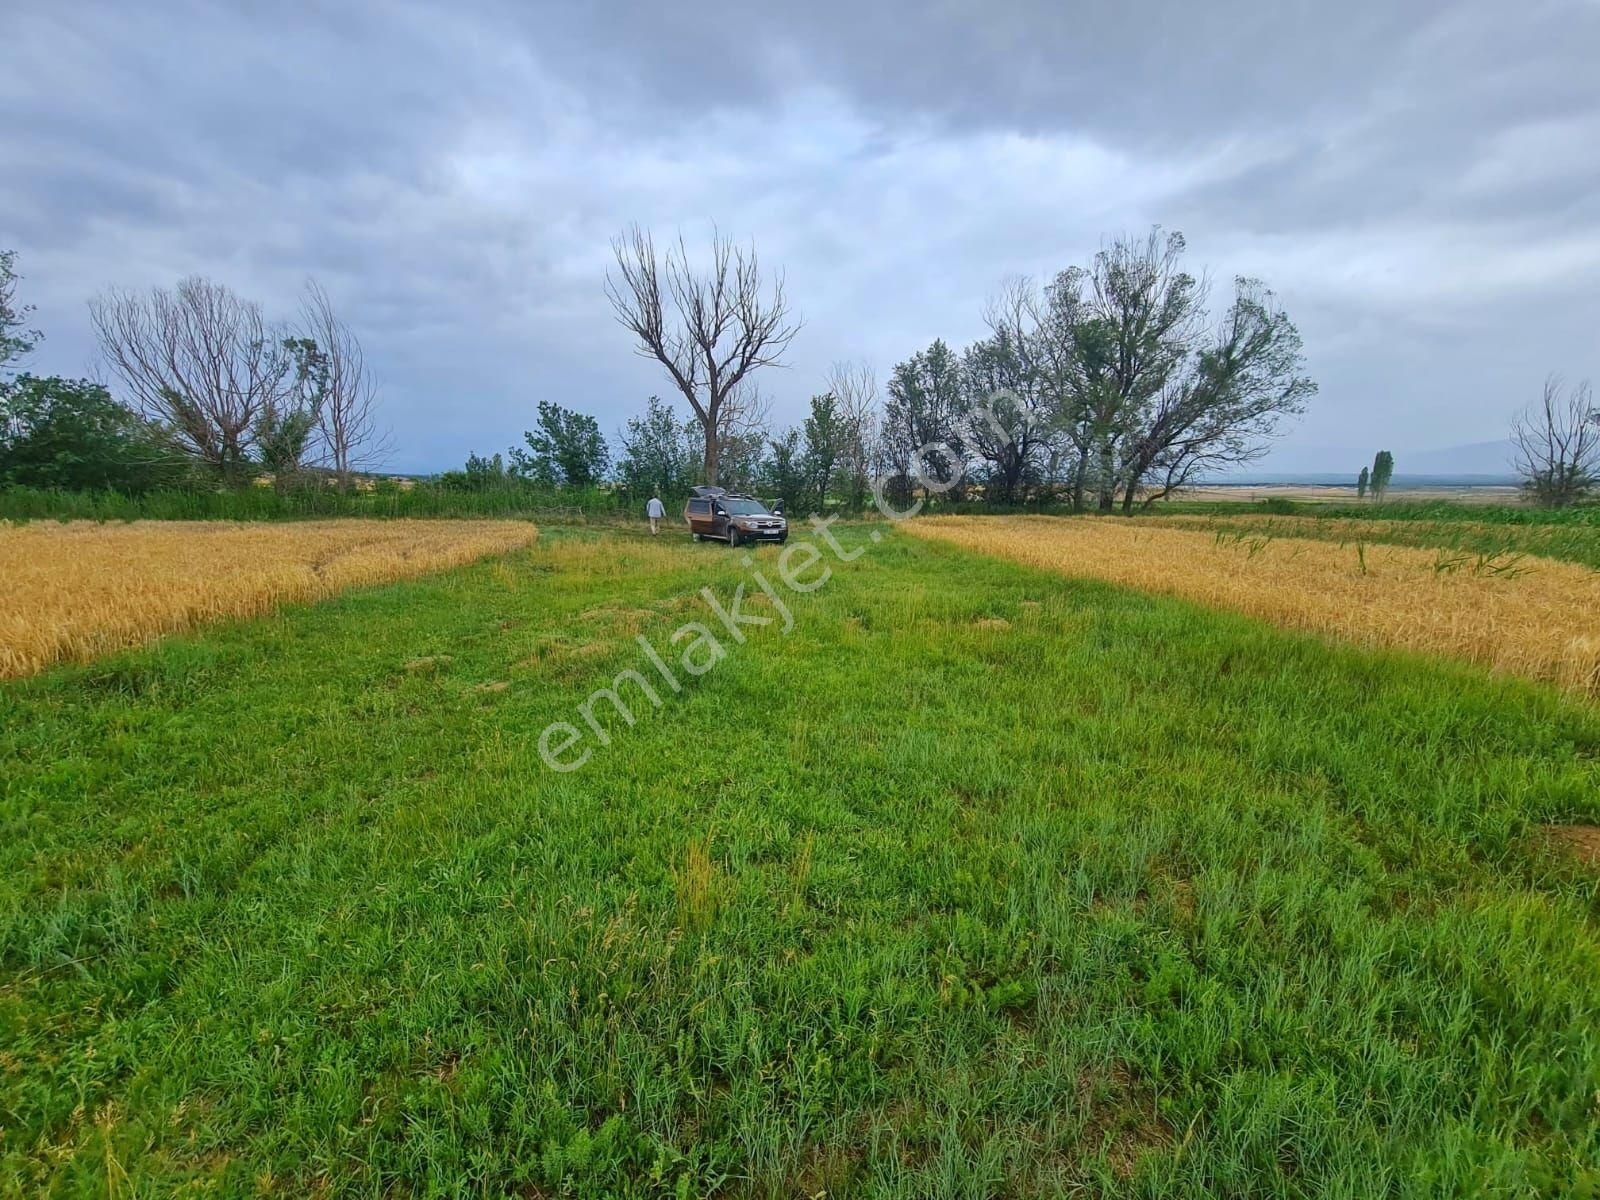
[350, 436]
[855, 387]
[200, 362]
[709, 328]
[745, 413]
[1556, 444]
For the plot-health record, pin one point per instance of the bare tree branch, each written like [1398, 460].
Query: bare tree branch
[720, 327]
[1557, 444]
[200, 362]
[351, 437]
[855, 387]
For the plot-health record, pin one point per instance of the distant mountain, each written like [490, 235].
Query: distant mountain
[1476, 458]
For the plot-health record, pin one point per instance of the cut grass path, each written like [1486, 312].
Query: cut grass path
[981, 882]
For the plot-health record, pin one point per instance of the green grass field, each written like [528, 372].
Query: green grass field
[980, 882]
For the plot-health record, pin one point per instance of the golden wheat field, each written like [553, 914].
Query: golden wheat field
[1534, 617]
[1338, 529]
[71, 591]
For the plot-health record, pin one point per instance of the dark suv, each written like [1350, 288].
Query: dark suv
[715, 513]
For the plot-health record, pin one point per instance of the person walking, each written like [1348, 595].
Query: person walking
[655, 510]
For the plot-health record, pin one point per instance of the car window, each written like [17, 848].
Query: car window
[699, 507]
[747, 508]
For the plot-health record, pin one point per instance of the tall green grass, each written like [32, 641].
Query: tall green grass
[982, 882]
[266, 504]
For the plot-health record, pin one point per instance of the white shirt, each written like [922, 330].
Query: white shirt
[654, 508]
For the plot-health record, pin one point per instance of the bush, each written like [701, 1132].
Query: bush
[70, 434]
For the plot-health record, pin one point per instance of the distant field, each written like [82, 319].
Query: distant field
[1531, 616]
[1570, 541]
[1314, 492]
[78, 589]
[983, 881]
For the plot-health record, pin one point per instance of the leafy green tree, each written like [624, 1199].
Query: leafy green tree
[922, 415]
[15, 340]
[71, 434]
[1223, 402]
[661, 456]
[1005, 418]
[826, 441]
[1361, 483]
[479, 475]
[566, 449]
[289, 421]
[784, 477]
[1382, 472]
[1130, 370]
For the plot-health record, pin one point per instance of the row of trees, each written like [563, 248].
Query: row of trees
[1376, 477]
[1110, 384]
[1111, 380]
[831, 457]
[216, 394]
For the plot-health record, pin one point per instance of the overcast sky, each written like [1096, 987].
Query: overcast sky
[1419, 182]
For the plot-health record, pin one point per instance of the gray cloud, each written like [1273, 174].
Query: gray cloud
[1416, 181]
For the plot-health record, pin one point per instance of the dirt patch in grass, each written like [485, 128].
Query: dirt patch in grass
[429, 662]
[622, 620]
[1581, 842]
[1123, 1121]
[827, 1171]
[554, 650]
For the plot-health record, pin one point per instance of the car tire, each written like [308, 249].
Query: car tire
[697, 537]
[733, 537]
[784, 540]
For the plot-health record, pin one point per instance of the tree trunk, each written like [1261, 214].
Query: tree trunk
[709, 467]
[1107, 482]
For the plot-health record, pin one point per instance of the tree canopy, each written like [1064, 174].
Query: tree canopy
[565, 448]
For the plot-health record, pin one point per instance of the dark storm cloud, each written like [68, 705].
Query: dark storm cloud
[1416, 180]
[1150, 72]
